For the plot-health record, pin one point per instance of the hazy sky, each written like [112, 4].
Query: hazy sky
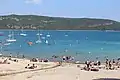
[66, 8]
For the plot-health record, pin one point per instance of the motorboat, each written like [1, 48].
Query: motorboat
[6, 44]
[38, 41]
[11, 40]
[46, 41]
[48, 35]
[23, 34]
[39, 34]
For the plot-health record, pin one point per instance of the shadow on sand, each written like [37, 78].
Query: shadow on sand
[107, 79]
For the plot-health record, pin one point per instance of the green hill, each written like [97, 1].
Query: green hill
[56, 23]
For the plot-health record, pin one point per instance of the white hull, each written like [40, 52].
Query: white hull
[38, 34]
[9, 35]
[38, 41]
[22, 34]
[6, 44]
[42, 37]
[46, 41]
[48, 35]
[11, 40]
[66, 35]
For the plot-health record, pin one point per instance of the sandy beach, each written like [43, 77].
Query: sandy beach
[64, 72]
[19, 67]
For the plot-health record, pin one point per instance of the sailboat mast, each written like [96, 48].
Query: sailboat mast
[22, 29]
[9, 35]
[38, 37]
[12, 34]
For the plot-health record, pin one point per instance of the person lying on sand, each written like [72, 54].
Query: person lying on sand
[90, 66]
[34, 66]
[15, 60]
[27, 66]
[94, 69]
[5, 62]
[90, 69]
[31, 67]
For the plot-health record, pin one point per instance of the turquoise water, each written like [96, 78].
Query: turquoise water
[80, 44]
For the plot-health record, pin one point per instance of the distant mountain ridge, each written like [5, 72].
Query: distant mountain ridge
[56, 23]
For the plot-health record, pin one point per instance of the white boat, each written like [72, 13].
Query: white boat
[66, 35]
[6, 44]
[9, 35]
[38, 41]
[23, 34]
[48, 35]
[46, 41]
[39, 34]
[11, 38]
[43, 37]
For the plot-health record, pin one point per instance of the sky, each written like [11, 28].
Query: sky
[108, 9]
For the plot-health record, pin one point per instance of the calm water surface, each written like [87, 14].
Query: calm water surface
[80, 44]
